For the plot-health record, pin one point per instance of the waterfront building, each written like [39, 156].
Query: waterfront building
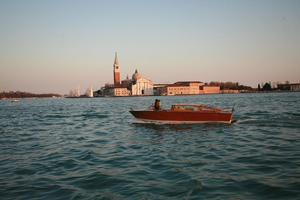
[186, 88]
[159, 89]
[117, 91]
[294, 87]
[209, 89]
[74, 93]
[183, 88]
[140, 85]
[137, 86]
[89, 92]
[118, 88]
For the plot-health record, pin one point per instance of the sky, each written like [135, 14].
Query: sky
[58, 45]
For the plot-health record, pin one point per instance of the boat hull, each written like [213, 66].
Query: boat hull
[183, 117]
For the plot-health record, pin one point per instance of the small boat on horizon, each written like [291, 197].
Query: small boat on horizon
[14, 100]
[184, 113]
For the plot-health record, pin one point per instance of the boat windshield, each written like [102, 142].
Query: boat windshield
[192, 108]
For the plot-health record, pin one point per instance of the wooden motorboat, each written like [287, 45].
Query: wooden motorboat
[184, 113]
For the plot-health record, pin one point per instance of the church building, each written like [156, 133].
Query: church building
[140, 85]
[137, 86]
[117, 79]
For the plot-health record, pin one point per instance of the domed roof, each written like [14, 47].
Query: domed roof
[136, 76]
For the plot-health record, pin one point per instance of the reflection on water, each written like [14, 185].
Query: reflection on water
[160, 127]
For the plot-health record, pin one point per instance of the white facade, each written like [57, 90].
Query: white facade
[89, 92]
[121, 92]
[117, 91]
[137, 86]
[142, 86]
[183, 88]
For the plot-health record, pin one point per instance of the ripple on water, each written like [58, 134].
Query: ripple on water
[94, 149]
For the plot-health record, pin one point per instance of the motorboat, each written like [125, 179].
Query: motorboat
[184, 113]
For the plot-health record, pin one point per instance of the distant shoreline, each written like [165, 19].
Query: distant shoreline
[21, 95]
[25, 95]
[141, 96]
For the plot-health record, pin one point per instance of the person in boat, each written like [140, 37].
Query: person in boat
[157, 104]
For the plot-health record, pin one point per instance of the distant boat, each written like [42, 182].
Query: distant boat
[14, 100]
[184, 113]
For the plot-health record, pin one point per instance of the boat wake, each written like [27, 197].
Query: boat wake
[244, 121]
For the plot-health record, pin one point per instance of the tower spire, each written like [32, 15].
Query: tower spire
[116, 59]
[117, 75]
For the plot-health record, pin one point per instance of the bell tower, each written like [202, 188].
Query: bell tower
[117, 79]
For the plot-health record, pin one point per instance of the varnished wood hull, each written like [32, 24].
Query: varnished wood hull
[184, 116]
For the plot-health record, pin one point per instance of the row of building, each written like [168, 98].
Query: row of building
[138, 85]
[185, 88]
[141, 86]
[294, 87]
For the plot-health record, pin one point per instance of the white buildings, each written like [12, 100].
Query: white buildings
[75, 92]
[137, 86]
[117, 91]
[294, 87]
[186, 88]
[89, 92]
[140, 85]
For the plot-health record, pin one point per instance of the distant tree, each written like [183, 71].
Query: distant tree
[244, 87]
[229, 85]
[19, 94]
[258, 87]
[267, 87]
[222, 87]
[214, 83]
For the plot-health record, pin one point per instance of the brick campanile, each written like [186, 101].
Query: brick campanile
[117, 79]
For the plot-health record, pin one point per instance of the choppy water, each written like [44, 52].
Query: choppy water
[94, 149]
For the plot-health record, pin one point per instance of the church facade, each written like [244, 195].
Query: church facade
[137, 86]
[140, 85]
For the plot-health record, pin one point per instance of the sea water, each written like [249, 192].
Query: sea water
[95, 149]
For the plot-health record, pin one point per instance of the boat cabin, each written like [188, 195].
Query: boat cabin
[180, 107]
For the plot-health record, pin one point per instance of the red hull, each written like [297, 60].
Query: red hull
[184, 116]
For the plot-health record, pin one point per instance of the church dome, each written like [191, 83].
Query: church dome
[136, 76]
